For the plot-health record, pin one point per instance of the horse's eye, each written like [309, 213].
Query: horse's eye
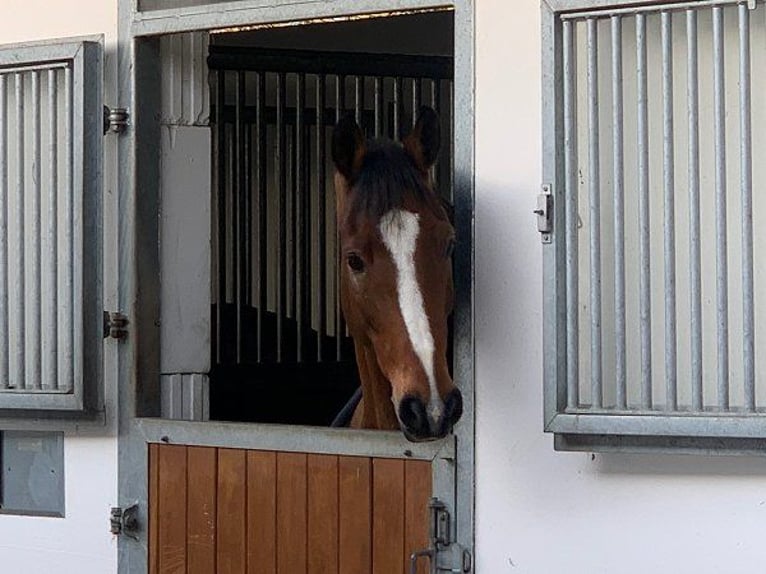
[355, 263]
[450, 249]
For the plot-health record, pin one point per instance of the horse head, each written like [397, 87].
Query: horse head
[396, 245]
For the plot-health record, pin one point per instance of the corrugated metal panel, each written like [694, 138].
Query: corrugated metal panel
[50, 148]
[185, 89]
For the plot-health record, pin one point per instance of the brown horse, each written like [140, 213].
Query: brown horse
[396, 244]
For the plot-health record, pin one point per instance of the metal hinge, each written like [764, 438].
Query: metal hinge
[440, 539]
[115, 120]
[115, 325]
[544, 212]
[124, 521]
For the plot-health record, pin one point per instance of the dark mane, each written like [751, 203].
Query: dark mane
[387, 178]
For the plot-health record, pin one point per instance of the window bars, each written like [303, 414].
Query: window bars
[662, 260]
[276, 296]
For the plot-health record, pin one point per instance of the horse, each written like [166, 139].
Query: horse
[396, 290]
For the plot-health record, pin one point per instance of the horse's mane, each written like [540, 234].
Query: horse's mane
[389, 177]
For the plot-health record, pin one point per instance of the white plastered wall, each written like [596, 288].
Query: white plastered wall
[539, 511]
[80, 542]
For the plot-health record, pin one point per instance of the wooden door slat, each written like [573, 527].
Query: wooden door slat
[154, 508]
[355, 515]
[231, 526]
[261, 512]
[201, 510]
[418, 489]
[291, 513]
[388, 515]
[171, 521]
[322, 514]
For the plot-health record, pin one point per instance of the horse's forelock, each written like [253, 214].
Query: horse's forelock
[387, 180]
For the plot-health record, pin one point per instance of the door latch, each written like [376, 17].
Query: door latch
[124, 521]
[439, 539]
[544, 212]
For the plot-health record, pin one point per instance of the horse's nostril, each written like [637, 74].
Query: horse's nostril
[412, 414]
[453, 407]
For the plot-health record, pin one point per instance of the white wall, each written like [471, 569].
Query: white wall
[80, 542]
[539, 511]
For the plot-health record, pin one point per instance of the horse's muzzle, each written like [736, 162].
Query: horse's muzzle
[419, 426]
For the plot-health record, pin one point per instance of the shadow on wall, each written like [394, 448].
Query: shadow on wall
[698, 466]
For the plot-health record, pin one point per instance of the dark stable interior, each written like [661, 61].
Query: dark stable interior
[274, 366]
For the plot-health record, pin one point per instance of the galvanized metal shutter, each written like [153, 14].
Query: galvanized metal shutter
[654, 274]
[51, 322]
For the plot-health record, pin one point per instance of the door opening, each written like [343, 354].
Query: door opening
[280, 349]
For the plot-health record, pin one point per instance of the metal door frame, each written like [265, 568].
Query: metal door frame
[138, 266]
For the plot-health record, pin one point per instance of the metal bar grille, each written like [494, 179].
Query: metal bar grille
[289, 311]
[42, 219]
[665, 212]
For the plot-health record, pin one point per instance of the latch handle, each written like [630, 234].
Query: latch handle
[544, 212]
[417, 556]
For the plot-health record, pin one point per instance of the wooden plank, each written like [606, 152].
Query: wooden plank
[154, 508]
[355, 514]
[230, 523]
[172, 504]
[388, 515]
[291, 513]
[201, 510]
[261, 512]
[322, 514]
[418, 487]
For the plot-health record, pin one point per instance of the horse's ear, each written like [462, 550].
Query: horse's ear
[425, 138]
[348, 147]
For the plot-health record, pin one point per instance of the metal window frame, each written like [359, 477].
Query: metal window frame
[24, 410]
[138, 375]
[700, 433]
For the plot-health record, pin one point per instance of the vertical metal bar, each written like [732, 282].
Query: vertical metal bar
[340, 328]
[34, 339]
[240, 213]
[378, 93]
[262, 170]
[416, 99]
[618, 166]
[220, 142]
[281, 177]
[300, 216]
[695, 276]
[570, 208]
[359, 100]
[595, 214]
[321, 234]
[668, 167]
[397, 108]
[247, 206]
[18, 296]
[66, 309]
[746, 185]
[722, 271]
[4, 334]
[50, 333]
[645, 306]
[436, 105]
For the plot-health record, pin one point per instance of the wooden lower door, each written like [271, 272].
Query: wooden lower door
[236, 511]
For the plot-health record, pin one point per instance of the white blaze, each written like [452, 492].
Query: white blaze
[399, 230]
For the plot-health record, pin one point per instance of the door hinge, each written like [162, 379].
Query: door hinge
[115, 325]
[544, 212]
[439, 540]
[124, 521]
[115, 120]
